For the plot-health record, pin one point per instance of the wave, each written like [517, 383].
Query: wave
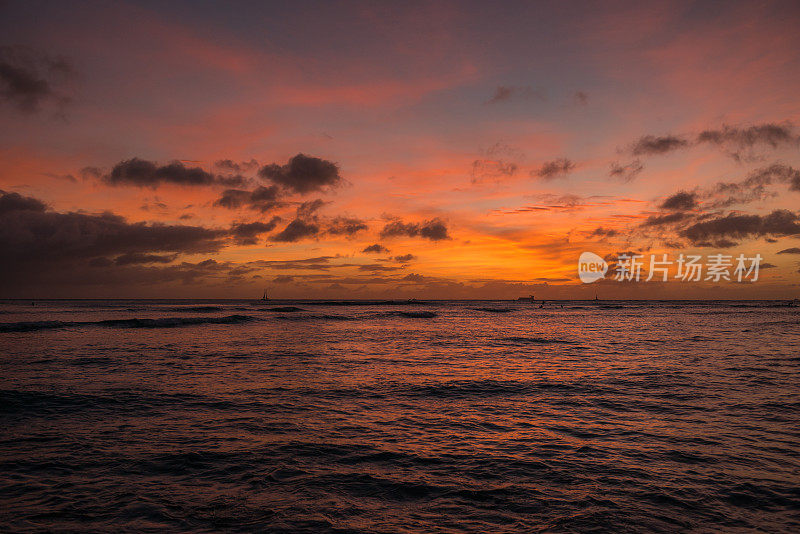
[171, 322]
[531, 340]
[32, 326]
[409, 314]
[285, 309]
[782, 322]
[488, 388]
[418, 315]
[378, 315]
[323, 317]
[196, 309]
[365, 303]
[162, 322]
[494, 310]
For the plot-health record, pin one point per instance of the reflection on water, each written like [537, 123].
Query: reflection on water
[449, 417]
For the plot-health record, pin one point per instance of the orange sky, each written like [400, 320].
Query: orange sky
[490, 133]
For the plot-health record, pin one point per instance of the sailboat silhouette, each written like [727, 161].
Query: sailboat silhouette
[265, 297]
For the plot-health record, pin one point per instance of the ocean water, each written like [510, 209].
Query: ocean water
[207, 416]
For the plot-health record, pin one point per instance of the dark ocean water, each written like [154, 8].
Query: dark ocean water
[175, 416]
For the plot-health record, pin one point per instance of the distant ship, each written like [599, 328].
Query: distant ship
[527, 299]
[265, 297]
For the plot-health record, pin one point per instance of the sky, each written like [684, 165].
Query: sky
[395, 150]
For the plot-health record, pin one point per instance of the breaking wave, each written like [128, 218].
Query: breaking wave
[364, 317]
[162, 322]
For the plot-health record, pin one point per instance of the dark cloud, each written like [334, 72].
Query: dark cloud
[347, 226]
[491, 169]
[738, 141]
[264, 198]
[651, 144]
[318, 263]
[311, 224]
[399, 228]
[307, 209]
[36, 234]
[554, 169]
[67, 177]
[681, 201]
[139, 172]
[434, 229]
[717, 243]
[295, 231]
[38, 242]
[231, 166]
[710, 227]
[303, 174]
[247, 233]
[569, 202]
[91, 172]
[505, 93]
[142, 173]
[604, 232]
[103, 272]
[771, 134]
[501, 94]
[627, 172]
[154, 205]
[498, 162]
[28, 78]
[233, 181]
[777, 223]
[405, 258]
[376, 249]
[776, 173]
[377, 268]
[233, 198]
[754, 188]
[261, 198]
[100, 262]
[724, 195]
[15, 202]
[666, 220]
[134, 258]
[793, 250]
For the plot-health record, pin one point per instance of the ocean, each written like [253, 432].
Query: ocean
[399, 417]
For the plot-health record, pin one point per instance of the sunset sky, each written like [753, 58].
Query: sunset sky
[367, 150]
